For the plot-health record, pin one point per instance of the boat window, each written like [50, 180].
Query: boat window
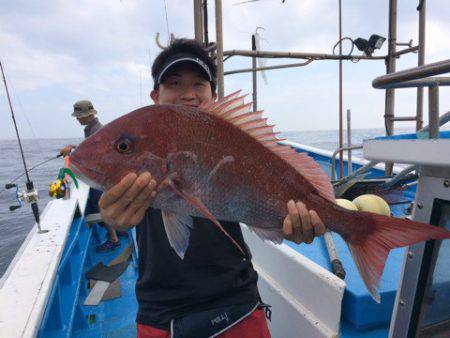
[435, 308]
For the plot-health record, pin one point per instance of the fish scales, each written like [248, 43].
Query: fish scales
[251, 179]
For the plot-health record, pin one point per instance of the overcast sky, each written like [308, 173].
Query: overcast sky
[58, 52]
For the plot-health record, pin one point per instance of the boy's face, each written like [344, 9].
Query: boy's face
[184, 86]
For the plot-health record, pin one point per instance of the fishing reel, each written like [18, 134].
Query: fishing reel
[26, 196]
[60, 186]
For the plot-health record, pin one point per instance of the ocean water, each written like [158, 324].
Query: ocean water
[15, 225]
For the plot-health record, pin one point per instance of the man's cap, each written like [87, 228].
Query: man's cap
[179, 58]
[83, 108]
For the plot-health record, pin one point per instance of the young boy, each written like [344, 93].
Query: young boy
[213, 289]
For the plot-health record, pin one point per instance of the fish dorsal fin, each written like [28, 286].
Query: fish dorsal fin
[233, 109]
[211, 105]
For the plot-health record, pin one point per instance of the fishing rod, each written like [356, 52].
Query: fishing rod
[31, 194]
[31, 169]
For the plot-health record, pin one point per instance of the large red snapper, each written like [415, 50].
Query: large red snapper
[222, 161]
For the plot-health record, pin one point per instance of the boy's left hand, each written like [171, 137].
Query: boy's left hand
[301, 224]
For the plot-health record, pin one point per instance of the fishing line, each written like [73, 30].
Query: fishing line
[167, 20]
[22, 110]
[31, 169]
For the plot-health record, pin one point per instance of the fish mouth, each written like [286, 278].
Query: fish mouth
[84, 174]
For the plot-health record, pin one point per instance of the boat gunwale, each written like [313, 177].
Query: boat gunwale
[31, 301]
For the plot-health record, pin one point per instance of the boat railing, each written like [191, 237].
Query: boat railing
[442, 120]
[421, 76]
[350, 175]
[420, 72]
[413, 308]
[337, 151]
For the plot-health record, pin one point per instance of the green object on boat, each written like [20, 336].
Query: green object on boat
[64, 171]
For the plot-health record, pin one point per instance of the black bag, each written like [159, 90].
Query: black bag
[210, 323]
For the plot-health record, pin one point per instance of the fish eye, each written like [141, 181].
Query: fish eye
[124, 145]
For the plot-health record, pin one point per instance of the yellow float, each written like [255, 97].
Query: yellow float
[372, 203]
[347, 204]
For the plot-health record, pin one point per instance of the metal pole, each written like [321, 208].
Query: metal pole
[198, 20]
[258, 69]
[333, 159]
[254, 76]
[390, 68]
[205, 22]
[336, 264]
[412, 77]
[421, 61]
[307, 55]
[406, 51]
[349, 143]
[219, 44]
[341, 164]
[433, 110]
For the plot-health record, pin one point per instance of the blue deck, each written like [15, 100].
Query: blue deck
[66, 316]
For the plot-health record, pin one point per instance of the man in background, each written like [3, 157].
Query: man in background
[85, 113]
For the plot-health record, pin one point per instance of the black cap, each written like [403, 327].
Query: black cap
[178, 58]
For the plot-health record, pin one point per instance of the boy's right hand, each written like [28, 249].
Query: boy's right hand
[124, 205]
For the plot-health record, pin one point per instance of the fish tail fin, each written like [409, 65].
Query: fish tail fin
[370, 251]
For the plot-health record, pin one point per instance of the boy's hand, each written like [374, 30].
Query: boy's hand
[301, 225]
[124, 205]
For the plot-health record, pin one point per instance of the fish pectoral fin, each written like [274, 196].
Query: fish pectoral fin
[202, 209]
[274, 235]
[150, 162]
[178, 231]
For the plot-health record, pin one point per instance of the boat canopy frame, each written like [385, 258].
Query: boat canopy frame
[200, 10]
